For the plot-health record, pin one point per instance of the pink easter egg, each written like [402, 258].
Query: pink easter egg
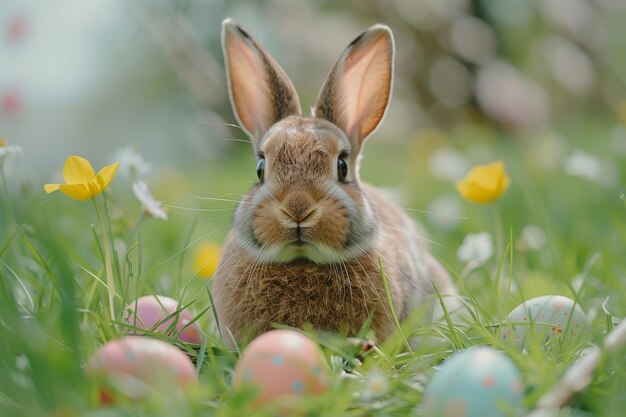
[282, 363]
[136, 366]
[150, 312]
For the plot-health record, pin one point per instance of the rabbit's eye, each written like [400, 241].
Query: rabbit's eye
[342, 168]
[260, 168]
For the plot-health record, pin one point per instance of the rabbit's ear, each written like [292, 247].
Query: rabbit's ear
[260, 92]
[356, 93]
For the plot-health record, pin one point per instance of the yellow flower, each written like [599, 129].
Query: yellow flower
[484, 183]
[207, 259]
[82, 181]
[3, 142]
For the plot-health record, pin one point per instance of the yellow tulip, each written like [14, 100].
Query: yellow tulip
[82, 183]
[207, 259]
[484, 183]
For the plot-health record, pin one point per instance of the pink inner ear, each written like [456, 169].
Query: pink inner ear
[249, 86]
[364, 87]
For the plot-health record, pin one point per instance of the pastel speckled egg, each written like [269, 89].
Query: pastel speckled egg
[282, 363]
[547, 317]
[134, 366]
[479, 382]
[154, 309]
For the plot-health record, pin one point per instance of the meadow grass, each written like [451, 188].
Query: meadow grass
[54, 308]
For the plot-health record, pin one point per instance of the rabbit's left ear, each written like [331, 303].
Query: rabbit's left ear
[261, 93]
[356, 93]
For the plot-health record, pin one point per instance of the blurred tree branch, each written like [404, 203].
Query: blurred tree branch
[196, 68]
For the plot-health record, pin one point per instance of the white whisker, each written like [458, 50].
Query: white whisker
[195, 209]
[234, 140]
[227, 200]
[193, 243]
[221, 124]
[414, 235]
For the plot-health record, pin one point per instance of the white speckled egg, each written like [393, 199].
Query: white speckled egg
[547, 317]
[134, 366]
[478, 382]
[153, 309]
[282, 363]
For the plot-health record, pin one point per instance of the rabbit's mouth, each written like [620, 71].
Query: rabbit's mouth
[299, 243]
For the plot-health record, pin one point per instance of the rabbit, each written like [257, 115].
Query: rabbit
[308, 240]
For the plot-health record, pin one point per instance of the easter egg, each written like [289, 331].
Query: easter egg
[479, 382]
[136, 366]
[546, 318]
[156, 313]
[281, 363]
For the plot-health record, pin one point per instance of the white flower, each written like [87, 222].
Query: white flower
[532, 237]
[375, 385]
[445, 212]
[9, 150]
[581, 164]
[448, 164]
[132, 164]
[476, 248]
[149, 204]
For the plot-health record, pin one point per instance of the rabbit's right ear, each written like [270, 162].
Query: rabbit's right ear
[357, 90]
[260, 91]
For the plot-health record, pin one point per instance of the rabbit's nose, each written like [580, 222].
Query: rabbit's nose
[299, 207]
[299, 217]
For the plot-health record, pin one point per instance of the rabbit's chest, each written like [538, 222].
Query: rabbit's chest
[340, 297]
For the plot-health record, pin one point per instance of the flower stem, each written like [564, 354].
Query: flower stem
[107, 260]
[5, 191]
[115, 259]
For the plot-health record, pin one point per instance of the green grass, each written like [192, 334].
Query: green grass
[54, 301]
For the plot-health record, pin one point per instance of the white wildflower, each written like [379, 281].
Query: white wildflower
[375, 385]
[445, 212]
[532, 238]
[149, 204]
[476, 247]
[448, 164]
[8, 150]
[132, 165]
[581, 164]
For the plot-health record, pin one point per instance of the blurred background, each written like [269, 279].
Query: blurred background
[539, 84]
[91, 77]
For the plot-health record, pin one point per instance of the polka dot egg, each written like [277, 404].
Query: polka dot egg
[479, 382]
[135, 366]
[156, 313]
[544, 318]
[282, 363]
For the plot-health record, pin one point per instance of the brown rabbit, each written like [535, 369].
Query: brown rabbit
[307, 239]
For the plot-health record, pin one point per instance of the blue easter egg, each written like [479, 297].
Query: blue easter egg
[478, 382]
